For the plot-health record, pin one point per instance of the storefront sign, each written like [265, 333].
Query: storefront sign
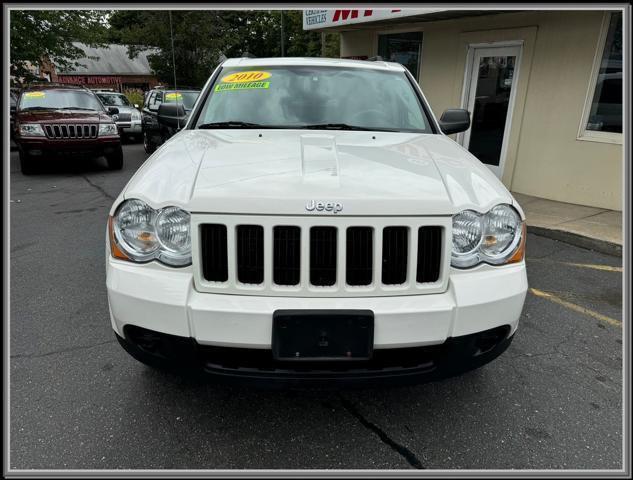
[90, 79]
[313, 19]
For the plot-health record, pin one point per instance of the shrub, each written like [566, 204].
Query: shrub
[135, 96]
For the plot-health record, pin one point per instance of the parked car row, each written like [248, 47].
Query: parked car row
[52, 120]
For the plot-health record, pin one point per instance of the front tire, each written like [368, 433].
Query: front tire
[27, 164]
[148, 144]
[115, 160]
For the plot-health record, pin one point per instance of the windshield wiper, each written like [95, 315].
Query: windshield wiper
[232, 124]
[339, 126]
[77, 108]
[36, 108]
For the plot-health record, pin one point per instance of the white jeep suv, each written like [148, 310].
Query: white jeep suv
[313, 224]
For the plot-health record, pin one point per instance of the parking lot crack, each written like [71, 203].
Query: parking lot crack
[403, 451]
[555, 350]
[98, 187]
[63, 350]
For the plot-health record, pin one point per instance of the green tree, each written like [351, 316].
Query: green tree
[306, 43]
[201, 37]
[198, 39]
[40, 34]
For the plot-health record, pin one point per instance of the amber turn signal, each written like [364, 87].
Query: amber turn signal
[114, 246]
[519, 254]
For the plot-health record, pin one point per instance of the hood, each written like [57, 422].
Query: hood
[278, 172]
[63, 116]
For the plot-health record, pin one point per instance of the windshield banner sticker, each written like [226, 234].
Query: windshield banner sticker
[243, 77]
[34, 94]
[241, 86]
[173, 96]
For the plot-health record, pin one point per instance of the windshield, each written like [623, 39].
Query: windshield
[314, 96]
[187, 99]
[59, 99]
[114, 100]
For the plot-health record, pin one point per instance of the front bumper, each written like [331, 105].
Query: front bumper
[164, 300]
[130, 128]
[43, 147]
[257, 367]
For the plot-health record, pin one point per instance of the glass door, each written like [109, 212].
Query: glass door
[491, 84]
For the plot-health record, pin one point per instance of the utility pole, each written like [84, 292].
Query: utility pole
[323, 44]
[282, 34]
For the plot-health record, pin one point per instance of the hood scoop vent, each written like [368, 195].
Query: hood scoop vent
[319, 157]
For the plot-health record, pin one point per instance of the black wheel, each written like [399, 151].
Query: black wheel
[115, 160]
[148, 144]
[27, 163]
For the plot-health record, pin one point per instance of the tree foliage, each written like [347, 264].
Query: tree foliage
[201, 37]
[38, 34]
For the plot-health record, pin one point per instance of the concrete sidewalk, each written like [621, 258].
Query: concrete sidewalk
[595, 228]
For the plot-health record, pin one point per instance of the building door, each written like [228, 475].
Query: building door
[490, 88]
[403, 48]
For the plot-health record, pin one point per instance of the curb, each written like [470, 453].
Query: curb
[598, 245]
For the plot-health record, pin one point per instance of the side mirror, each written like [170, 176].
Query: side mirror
[172, 115]
[113, 111]
[455, 120]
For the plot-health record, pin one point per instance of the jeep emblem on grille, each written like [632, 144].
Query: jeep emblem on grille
[333, 207]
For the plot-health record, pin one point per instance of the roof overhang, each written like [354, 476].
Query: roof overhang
[359, 19]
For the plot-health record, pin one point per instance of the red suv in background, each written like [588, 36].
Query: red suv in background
[56, 120]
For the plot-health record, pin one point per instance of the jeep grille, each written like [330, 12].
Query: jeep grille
[71, 130]
[273, 259]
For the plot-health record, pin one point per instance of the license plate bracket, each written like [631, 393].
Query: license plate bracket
[322, 335]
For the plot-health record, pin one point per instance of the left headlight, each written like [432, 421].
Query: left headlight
[496, 237]
[140, 234]
[107, 129]
[31, 130]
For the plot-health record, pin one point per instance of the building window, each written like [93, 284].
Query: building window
[603, 112]
[404, 48]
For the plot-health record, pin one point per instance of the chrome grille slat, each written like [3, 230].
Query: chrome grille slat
[319, 256]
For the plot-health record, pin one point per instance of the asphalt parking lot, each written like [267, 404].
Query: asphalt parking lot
[553, 400]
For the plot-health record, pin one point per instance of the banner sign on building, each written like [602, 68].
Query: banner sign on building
[89, 79]
[313, 19]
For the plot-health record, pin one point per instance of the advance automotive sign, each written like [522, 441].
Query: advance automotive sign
[313, 19]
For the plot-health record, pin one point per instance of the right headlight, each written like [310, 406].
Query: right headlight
[31, 130]
[140, 234]
[496, 237]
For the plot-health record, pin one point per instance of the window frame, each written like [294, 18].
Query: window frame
[150, 99]
[593, 135]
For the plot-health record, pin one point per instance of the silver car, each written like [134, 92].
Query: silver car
[128, 120]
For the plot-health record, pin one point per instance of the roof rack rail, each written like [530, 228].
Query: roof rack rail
[53, 84]
[376, 58]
